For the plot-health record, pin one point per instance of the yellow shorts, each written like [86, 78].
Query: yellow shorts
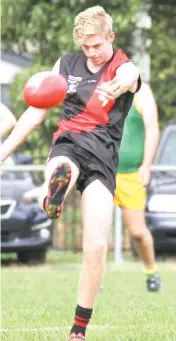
[129, 192]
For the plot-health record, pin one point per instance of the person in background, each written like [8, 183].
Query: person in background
[139, 143]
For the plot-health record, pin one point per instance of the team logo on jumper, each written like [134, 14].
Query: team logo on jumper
[73, 83]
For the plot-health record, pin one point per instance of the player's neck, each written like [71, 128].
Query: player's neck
[96, 67]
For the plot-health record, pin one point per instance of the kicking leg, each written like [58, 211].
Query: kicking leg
[60, 174]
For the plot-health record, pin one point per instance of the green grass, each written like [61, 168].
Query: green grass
[37, 298]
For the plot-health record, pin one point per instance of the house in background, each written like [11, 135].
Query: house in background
[10, 65]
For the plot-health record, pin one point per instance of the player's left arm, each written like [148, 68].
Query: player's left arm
[148, 107]
[127, 78]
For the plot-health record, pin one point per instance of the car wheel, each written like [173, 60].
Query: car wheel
[32, 257]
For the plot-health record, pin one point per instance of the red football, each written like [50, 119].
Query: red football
[45, 90]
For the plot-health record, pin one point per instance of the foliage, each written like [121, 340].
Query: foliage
[163, 62]
[48, 25]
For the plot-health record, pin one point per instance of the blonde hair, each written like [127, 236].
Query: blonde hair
[93, 20]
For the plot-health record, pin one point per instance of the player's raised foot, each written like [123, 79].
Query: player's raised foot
[78, 337]
[58, 185]
[154, 283]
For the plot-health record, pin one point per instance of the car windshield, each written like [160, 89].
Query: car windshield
[10, 175]
[168, 156]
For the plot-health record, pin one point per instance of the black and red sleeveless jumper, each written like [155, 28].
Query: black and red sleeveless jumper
[83, 120]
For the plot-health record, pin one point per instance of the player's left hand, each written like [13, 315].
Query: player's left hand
[144, 175]
[110, 90]
[118, 87]
[105, 92]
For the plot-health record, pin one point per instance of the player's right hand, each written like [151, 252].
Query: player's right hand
[144, 175]
[1, 157]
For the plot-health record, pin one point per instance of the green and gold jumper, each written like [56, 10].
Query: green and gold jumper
[132, 145]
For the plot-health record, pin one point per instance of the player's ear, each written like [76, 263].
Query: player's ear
[111, 37]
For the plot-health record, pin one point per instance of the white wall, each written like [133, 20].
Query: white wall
[7, 72]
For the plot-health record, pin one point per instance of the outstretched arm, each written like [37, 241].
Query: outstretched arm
[29, 121]
[7, 120]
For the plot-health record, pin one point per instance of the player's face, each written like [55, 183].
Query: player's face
[98, 49]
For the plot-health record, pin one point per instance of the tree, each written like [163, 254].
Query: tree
[163, 62]
[49, 24]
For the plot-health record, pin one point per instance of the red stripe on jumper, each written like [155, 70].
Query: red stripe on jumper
[93, 114]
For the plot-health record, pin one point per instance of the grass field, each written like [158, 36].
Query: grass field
[38, 303]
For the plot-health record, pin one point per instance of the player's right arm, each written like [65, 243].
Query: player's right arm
[28, 122]
[7, 120]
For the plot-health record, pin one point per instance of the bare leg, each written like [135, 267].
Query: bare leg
[50, 167]
[126, 240]
[97, 208]
[135, 223]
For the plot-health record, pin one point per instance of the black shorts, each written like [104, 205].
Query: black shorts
[90, 167]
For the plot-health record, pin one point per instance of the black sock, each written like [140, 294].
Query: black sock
[82, 317]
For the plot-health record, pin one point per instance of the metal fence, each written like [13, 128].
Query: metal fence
[67, 231]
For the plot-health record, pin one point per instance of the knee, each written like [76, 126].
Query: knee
[94, 254]
[139, 234]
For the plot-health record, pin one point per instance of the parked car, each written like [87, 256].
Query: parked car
[161, 201]
[25, 228]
